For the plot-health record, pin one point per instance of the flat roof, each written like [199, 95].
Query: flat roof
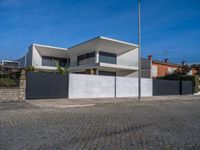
[99, 43]
[50, 51]
[47, 46]
[165, 63]
[103, 44]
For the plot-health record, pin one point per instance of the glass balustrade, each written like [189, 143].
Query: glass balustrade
[91, 61]
[126, 62]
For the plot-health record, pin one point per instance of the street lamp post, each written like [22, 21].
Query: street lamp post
[139, 54]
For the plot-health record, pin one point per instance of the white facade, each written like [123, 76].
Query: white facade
[102, 55]
[35, 53]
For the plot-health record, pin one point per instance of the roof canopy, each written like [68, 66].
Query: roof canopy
[51, 51]
[102, 44]
[96, 44]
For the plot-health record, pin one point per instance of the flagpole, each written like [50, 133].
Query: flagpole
[139, 54]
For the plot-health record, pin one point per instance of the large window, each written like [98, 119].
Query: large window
[52, 61]
[85, 56]
[107, 57]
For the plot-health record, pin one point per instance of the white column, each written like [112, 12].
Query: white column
[97, 57]
[97, 71]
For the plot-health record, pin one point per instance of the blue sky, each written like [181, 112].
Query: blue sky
[170, 28]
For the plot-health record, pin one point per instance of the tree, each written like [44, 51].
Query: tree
[182, 70]
[197, 67]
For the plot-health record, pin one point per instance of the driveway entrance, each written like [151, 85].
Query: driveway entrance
[46, 85]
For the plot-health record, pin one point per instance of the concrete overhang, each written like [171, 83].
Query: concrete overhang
[102, 44]
[51, 51]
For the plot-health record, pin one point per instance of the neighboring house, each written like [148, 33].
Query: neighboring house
[163, 68]
[153, 68]
[157, 68]
[101, 55]
[10, 64]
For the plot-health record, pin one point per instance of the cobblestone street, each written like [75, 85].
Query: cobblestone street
[152, 125]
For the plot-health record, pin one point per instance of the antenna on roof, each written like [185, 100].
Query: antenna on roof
[166, 53]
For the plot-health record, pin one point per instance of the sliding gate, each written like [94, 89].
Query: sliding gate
[46, 85]
[170, 87]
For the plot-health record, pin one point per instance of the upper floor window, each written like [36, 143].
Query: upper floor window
[85, 56]
[51, 61]
[107, 57]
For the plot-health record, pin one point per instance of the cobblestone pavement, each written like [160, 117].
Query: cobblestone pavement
[148, 125]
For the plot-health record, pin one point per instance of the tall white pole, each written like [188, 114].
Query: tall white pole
[139, 53]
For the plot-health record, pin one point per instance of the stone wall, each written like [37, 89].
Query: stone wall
[9, 94]
[22, 86]
[14, 94]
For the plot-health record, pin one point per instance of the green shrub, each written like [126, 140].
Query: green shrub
[61, 70]
[30, 69]
[8, 82]
[10, 74]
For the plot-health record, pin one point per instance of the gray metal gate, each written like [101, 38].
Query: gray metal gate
[186, 87]
[166, 87]
[169, 87]
[46, 85]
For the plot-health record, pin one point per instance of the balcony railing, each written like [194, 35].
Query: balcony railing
[91, 61]
[83, 62]
[87, 61]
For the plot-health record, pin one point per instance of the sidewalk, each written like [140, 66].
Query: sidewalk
[66, 103]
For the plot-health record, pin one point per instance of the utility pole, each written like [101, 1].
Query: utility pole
[139, 54]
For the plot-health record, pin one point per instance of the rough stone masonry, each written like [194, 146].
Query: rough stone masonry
[14, 94]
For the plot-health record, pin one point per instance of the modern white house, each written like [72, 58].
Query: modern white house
[100, 56]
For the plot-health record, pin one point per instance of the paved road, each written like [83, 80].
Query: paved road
[170, 124]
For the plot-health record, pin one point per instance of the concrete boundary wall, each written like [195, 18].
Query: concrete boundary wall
[91, 86]
[128, 87]
[94, 86]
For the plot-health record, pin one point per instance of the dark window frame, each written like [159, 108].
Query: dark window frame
[63, 62]
[85, 56]
[106, 57]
